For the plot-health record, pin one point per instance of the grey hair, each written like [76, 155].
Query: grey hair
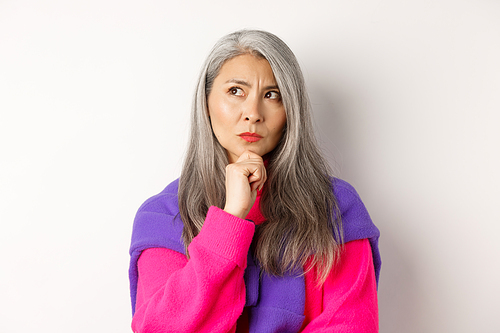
[302, 215]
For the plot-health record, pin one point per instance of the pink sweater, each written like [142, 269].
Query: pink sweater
[207, 292]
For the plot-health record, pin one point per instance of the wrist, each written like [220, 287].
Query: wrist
[235, 212]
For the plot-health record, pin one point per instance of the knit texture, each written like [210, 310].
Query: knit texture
[276, 304]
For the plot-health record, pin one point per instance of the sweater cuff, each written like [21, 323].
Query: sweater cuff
[226, 235]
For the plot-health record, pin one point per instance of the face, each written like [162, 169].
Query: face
[245, 107]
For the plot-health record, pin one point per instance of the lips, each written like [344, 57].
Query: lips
[250, 137]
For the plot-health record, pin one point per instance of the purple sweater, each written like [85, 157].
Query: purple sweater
[158, 224]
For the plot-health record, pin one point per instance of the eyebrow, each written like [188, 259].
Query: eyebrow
[245, 83]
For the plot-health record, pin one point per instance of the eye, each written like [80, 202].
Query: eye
[236, 91]
[272, 95]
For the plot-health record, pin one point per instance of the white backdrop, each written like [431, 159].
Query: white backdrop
[94, 101]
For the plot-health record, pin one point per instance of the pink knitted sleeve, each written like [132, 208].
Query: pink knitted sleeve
[202, 294]
[348, 300]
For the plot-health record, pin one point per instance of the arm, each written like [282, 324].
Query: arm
[348, 302]
[203, 294]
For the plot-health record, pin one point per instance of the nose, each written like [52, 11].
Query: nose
[252, 111]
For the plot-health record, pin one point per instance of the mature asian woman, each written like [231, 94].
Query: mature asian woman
[256, 235]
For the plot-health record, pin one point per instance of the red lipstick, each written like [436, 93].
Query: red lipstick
[250, 137]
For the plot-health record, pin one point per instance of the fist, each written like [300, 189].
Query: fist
[243, 178]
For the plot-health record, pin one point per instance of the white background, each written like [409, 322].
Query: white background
[95, 97]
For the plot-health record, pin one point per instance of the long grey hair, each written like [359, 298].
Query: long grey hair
[302, 215]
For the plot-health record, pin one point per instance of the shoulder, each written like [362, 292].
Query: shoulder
[165, 202]
[344, 190]
[158, 223]
[356, 220]
[347, 197]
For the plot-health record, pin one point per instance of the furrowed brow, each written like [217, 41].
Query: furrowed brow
[240, 82]
[274, 87]
[246, 84]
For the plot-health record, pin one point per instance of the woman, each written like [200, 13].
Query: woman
[255, 236]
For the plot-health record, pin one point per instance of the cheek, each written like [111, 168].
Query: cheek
[220, 112]
[218, 128]
[280, 123]
[220, 122]
[277, 129]
[221, 119]
[214, 113]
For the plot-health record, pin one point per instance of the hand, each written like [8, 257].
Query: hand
[243, 179]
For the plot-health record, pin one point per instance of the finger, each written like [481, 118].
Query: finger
[258, 173]
[247, 154]
[257, 185]
[254, 186]
[258, 178]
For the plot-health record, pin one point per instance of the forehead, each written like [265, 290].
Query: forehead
[248, 67]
